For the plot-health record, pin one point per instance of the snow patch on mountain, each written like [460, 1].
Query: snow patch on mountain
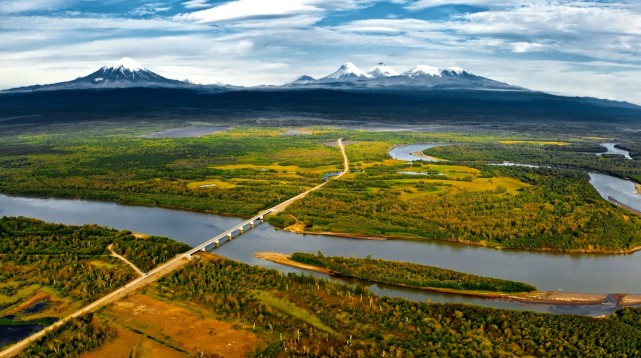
[125, 63]
[347, 71]
[425, 70]
[382, 70]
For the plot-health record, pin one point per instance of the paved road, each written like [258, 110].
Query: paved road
[282, 206]
[144, 279]
[130, 287]
[123, 259]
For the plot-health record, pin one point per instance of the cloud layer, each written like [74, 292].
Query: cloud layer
[564, 46]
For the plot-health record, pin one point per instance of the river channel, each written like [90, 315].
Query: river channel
[548, 271]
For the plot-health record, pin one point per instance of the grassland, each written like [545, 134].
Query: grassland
[466, 201]
[244, 170]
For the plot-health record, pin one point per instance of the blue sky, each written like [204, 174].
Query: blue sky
[584, 48]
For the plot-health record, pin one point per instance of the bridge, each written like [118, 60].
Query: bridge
[229, 234]
[165, 268]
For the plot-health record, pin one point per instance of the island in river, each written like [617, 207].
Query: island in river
[526, 295]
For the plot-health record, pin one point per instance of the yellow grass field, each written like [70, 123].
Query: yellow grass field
[276, 167]
[533, 142]
[452, 186]
[210, 183]
[179, 327]
[131, 344]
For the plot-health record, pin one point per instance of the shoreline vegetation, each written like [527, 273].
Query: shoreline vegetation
[637, 186]
[534, 297]
[296, 229]
[462, 200]
[420, 154]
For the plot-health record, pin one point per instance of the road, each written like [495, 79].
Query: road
[116, 295]
[282, 206]
[123, 259]
[145, 279]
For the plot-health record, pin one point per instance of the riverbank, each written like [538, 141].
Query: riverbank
[297, 229]
[637, 186]
[535, 297]
[283, 259]
[624, 206]
[430, 158]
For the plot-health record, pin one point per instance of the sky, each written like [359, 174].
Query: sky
[571, 47]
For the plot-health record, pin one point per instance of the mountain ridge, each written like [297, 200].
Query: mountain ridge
[126, 72]
[126, 89]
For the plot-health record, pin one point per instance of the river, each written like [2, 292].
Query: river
[612, 149]
[186, 132]
[548, 271]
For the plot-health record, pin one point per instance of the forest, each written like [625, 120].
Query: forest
[148, 252]
[409, 274]
[70, 263]
[504, 207]
[246, 169]
[334, 320]
[79, 335]
[581, 155]
[161, 172]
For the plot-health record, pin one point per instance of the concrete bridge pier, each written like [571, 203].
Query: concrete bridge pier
[261, 218]
[229, 237]
[251, 224]
[241, 230]
[216, 243]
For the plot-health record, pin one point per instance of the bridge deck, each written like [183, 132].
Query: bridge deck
[216, 239]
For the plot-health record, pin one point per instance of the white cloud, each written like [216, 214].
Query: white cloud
[251, 9]
[150, 9]
[18, 6]
[62, 26]
[423, 4]
[195, 4]
[248, 9]
[251, 42]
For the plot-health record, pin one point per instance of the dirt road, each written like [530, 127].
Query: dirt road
[123, 259]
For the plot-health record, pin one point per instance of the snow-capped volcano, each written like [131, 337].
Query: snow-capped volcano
[123, 73]
[382, 70]
[424, 70]
[382, 76]
[126, 72]
[347, 71]
[125, 64]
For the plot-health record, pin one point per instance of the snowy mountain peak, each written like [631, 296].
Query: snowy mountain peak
[425, 70]
[456, 70]
[125, 63]
[347, 71]
[382, 70]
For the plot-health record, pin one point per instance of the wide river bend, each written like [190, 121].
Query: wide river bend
[548, 271]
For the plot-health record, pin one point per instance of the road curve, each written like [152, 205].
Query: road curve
[145, 279]
[123, 259]
[282, 206]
